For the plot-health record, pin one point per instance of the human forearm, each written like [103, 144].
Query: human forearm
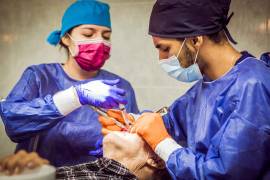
[21, 119]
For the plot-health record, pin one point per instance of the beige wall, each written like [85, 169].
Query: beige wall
[24, 25]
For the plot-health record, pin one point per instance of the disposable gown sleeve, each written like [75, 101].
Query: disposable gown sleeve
[174, 120]
[132, 106]
[239, 150]
[24, 112]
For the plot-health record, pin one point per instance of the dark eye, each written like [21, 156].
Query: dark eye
[88, 35]
[106, 37]
[166, 49]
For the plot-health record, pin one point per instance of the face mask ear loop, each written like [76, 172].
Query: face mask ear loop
[72, 53]
[181, 48]
[70, 37]
[196, 56]
[97, 40]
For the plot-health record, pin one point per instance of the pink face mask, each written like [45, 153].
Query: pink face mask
[91, 54]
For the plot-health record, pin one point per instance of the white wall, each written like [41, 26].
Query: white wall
[25, 24]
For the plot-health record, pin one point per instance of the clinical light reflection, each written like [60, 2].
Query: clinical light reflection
[8, 38]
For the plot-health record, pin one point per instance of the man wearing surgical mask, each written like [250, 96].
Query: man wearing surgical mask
[219, 129]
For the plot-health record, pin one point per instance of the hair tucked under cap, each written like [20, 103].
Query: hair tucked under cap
[82, 12]
[189, 18]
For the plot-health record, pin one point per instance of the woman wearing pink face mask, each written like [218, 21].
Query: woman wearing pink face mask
[48, 109]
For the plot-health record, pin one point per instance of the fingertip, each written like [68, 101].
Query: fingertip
[22, 153]
[39, 163]
[105, 121]
[111, 82]
[114, 104]
[132, 130]
[124, 102]
[131, 118]
[108, 106]
[114, 113]
[101, 119]
[113, 128]
[8, 172]
[16, 171]
[105, 131]
[30, 165]
[117, 81]
[119, 100]
[45, 161]
[119, 91]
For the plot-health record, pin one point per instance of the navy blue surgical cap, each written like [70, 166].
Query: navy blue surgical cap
[189, 18]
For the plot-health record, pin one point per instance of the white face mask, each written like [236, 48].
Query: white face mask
[173, 68]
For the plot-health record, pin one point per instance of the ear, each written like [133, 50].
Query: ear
[66, 40]
[156, 163]
[195, 43]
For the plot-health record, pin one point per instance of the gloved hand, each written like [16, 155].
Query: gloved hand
[99, 149]
[108, 125]
[101, 93]
[151, 128]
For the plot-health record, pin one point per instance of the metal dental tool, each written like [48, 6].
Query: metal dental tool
[103, 113]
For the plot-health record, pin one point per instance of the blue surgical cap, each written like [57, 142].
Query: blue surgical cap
[82, 12]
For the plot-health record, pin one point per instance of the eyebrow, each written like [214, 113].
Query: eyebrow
[87, 28]
[93, 29]
[107, 31]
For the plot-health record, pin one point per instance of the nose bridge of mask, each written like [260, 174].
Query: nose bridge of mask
[90, 41]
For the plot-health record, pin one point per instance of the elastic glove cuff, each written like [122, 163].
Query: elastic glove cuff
[66, 101]
[166, 147]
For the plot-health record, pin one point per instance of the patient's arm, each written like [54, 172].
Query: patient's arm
[132, 152]
[16, 163]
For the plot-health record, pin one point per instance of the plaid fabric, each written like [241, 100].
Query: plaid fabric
[101, 169]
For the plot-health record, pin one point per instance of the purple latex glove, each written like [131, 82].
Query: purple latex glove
[99, 149]
[101, 93]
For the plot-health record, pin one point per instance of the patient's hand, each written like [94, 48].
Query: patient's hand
[16, 163]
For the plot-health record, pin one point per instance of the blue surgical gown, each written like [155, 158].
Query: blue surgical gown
[223, 126]
[29, 111]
